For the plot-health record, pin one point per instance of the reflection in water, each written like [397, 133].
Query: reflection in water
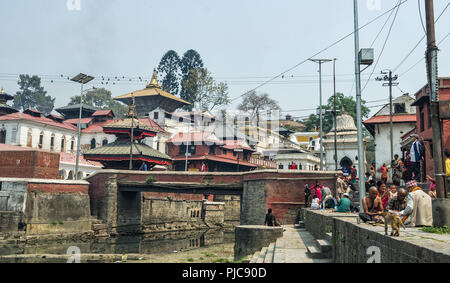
[152, 243]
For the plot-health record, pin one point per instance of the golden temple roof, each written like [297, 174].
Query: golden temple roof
[152, 89]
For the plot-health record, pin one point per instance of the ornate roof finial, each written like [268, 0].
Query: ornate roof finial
[132, 108]
[2, 91]
[154, 82]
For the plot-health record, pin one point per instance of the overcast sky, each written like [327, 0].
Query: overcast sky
[243, 42]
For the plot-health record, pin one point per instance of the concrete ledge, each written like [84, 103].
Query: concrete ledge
[252, 238]
[45, 181]
[352, 242]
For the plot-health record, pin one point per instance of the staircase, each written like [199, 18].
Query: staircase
[296, 246]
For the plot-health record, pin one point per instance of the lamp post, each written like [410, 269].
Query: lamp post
[362, 57]
[320, 62]
[82, 79]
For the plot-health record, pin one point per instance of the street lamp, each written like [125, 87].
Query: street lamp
[362, 57]
[320, 62]
[81, 79]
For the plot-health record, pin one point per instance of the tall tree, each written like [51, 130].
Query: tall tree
[32, 95]
[169, 69]
[255, 104]
[191, 60]
[102, 99]
[346, 103]
[205, 91]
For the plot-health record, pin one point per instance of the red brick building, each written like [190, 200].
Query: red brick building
[209, 154]
[22, 162]
[423, 124]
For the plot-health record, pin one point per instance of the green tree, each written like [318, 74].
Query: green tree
[346, 103]
[254, 104]
[102, 99]
[32, 95]
[191, 60]
[169, 69]
[205, 91]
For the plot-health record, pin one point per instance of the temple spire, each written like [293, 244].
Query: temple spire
[154, 82]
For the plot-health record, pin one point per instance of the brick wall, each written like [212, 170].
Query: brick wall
[29, 164]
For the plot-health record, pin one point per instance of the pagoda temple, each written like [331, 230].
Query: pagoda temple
[5, 108]
[153, 97]
[117, 155]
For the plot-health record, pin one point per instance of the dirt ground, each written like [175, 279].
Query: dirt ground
[214, 254]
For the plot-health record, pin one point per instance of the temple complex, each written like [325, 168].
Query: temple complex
[117, 155]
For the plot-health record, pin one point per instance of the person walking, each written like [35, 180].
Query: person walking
[307, 195]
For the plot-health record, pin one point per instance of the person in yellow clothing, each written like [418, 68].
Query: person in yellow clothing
[447, 163]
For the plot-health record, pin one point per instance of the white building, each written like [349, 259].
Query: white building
[51, 133]
[347, 144]
[403, 119]
[303, 160]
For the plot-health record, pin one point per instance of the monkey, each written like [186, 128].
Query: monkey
[395, 222]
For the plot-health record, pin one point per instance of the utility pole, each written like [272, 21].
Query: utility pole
[432, 72]
[362, 189]
[320, 62]
[390, 82]
[131, 114]
[335, 114]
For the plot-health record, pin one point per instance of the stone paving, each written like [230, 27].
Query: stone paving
[292, 247]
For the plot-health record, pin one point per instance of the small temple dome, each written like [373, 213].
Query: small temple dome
[345, 123]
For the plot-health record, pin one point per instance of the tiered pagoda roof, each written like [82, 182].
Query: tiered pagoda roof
[116, 155]
[5, 108]
[152, 97]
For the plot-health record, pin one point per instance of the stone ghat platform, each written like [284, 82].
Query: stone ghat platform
[362, 243]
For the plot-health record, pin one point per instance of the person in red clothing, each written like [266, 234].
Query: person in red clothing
[383, 193]
[317, 189]
[384, 173]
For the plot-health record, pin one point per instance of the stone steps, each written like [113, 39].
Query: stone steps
[269, 254]
[262, 255]
[296, 246]
[300, 225]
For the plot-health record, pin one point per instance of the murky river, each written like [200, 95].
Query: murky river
[154, 243]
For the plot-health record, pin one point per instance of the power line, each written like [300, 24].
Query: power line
[421, 59]
[421, 39]
[323, 50]
[421, 18]
[382, 50]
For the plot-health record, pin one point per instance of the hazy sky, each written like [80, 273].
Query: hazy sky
[241, 42]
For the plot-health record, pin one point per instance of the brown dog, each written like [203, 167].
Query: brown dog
[395, 222]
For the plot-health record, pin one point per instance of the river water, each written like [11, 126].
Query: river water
[152, 243]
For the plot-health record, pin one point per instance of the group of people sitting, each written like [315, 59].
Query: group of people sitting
[411, 203]
[323, 197]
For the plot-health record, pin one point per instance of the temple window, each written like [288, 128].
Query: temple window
[3, 135]
[41, 139]
[52, 142]
[93, 143]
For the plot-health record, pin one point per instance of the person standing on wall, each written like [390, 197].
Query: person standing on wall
[416, 154]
